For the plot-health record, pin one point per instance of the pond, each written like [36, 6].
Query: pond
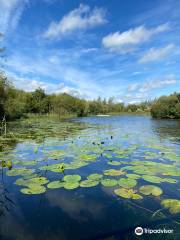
[90, 178]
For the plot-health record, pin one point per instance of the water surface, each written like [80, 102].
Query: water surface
[133, 144]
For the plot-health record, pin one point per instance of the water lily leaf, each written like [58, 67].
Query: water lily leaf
[28, 163]
[151, 190]
[60, 167]
[115, 163]
[127, 182]
[170, 180]
[127, 193]
[35, 180]
[153, 179]
[109, 182]
[134, 176]
[33, 189]
[172, 204]
[89, 183]
[55, 154]
[113, 172]
[87, 157]
[55, 184]
[71, 185]
[19, 171]
[95, 176]
[72, 178]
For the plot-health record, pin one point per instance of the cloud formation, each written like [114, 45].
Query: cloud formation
[153, 84]
[156, 53]
[126, 41]
[10, 13]
[80, 18]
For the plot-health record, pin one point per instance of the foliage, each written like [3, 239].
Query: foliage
[166, 107]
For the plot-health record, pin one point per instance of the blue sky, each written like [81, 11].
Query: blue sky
[126, 49]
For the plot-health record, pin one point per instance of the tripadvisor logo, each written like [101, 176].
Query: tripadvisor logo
[138, 231]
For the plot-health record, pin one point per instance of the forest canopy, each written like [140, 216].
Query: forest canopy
[15, 103]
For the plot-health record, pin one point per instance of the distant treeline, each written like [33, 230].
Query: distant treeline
[16, 103]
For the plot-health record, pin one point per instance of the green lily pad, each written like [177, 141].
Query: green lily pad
[153, 179]
[113, 172]
[151, 190]
[127, 193]
[88, 157]
[172, 204]
[33, 189]
[170, 180]
[19, 171]
[127, 182]
[55, 184]
[28, 163]
[109, 182]
[115, 163]
[35, 180]
[72, 178]
[71, 185]
[134, 176]
[89, 183]
[95, 176]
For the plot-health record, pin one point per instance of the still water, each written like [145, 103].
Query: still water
[40, 201]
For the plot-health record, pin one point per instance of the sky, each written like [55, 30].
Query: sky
[125, 49]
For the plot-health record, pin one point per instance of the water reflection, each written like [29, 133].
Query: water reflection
[167, 129]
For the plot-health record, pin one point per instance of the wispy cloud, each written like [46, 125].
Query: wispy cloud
[153, 84]
[10, 13]
[127, 41]
[82, 17]
[156, 53]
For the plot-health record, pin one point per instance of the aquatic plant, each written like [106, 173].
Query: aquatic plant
[127, 182]
[113, 172]
[151, 190]
[109, 182]
[127, 193]
[172, 204]
[89, 183]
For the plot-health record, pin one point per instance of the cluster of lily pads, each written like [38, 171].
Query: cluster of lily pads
[124, 169]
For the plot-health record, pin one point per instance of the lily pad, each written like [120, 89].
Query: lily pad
[95, 176]
[115, 163]
[71, 185]
[33, 189]
[89, 183]
[127, 182]
[172, 204]
[109, 182]
[134, 176]
[151, 190]
[153, 179]
[127, 193]
[55, 184]
[35, 180]
[19, 171]
[113, 172]
[72, 178]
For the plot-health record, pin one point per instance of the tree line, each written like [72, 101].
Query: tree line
[15, 103]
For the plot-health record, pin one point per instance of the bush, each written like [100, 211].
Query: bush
[166, 107]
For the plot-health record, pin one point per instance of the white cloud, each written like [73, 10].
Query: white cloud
[152, 84]
[126, 41]
[156, 53]
[52, 69]
[10, 13]
[79, 18]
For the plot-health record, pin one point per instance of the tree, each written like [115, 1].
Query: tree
[166, 107]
